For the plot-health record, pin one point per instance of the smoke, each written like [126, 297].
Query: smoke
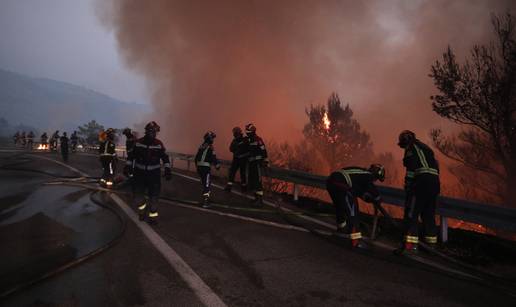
[213, 65]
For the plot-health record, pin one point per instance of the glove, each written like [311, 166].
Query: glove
[128, 172]
[168, 174]
[217, 166]
[266, 163]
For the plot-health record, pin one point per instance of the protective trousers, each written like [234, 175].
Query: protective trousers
[64, 153]
[346, 206]
[421, 202]
[108, 167]
[205, 174]
[147, 186]
[254, 173]
[238, 164]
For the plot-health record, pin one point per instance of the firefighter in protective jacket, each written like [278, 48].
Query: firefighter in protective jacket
[257, 161]
[44, 140]
[240, 149]
[30, 140]
[144, 165]
[107, 152]
[422, 188]
[74, 139]
[204, 159]
[345, 186]
[130, 140]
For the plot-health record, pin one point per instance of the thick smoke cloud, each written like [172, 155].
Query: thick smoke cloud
[216, 64]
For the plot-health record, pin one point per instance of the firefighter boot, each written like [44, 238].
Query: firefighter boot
[153, 218]
[406, 248]
[258, 199]
[206, 202]
[142, 211]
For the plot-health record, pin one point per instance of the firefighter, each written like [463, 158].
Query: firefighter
[344, 187]
[107, 152]
[145, 162]
[74, 139]
[130, 139]
[16, 138]
[239, 147]
[53, 140]
[23, 139]
[30, 140]
[64, 146]
[44, 140]
[204, 159]
[257, 160]
[422, 187]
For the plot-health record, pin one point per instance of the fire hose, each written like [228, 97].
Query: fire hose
[286, 216]
[78, 260]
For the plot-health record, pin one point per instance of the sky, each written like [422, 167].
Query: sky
[211, 65]
[64, 40]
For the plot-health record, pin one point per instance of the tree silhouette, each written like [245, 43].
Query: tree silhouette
[481, 95]
[336, 136]
[90, 132]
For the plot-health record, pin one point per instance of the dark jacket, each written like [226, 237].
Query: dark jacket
[257, 151]
[357, 180]
[206, 156]
[147, 155]
[240, 147]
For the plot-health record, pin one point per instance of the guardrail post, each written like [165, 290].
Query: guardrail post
[296, 192]
[444, 228]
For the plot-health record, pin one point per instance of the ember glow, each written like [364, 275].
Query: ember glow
[42, 147]
[326, 121]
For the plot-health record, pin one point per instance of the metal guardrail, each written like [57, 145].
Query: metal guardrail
[488, 215]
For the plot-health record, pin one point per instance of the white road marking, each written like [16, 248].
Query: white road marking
[375, 243]
[201, 289]
[60, 163]
[205, 294]
[236, 216]
[313, 220]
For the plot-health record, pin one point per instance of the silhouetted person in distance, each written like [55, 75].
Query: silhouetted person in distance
[64, 147]
[74, 139]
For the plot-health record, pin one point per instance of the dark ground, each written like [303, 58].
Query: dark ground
[243, 262]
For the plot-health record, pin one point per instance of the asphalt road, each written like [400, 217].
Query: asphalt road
[238, 254]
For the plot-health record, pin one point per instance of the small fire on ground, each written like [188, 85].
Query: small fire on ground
[42, 147]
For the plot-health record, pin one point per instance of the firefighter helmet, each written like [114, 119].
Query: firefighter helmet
[378, 171]
[237, 131]
[152, 127]
[209, 137]
[250, 129]
[406, 138]
[127, 132]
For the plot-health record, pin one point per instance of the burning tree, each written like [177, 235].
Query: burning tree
[90, 131]
[336, 136]
[481, 95]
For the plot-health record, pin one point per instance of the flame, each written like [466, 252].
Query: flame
[42, 147]
[326, 121]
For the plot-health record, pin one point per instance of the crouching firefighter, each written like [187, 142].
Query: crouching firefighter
[204, 159]
[345, 186]
[144, 165]
[257, 161]
[239, 148]
[422, 187]
[107, 151]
